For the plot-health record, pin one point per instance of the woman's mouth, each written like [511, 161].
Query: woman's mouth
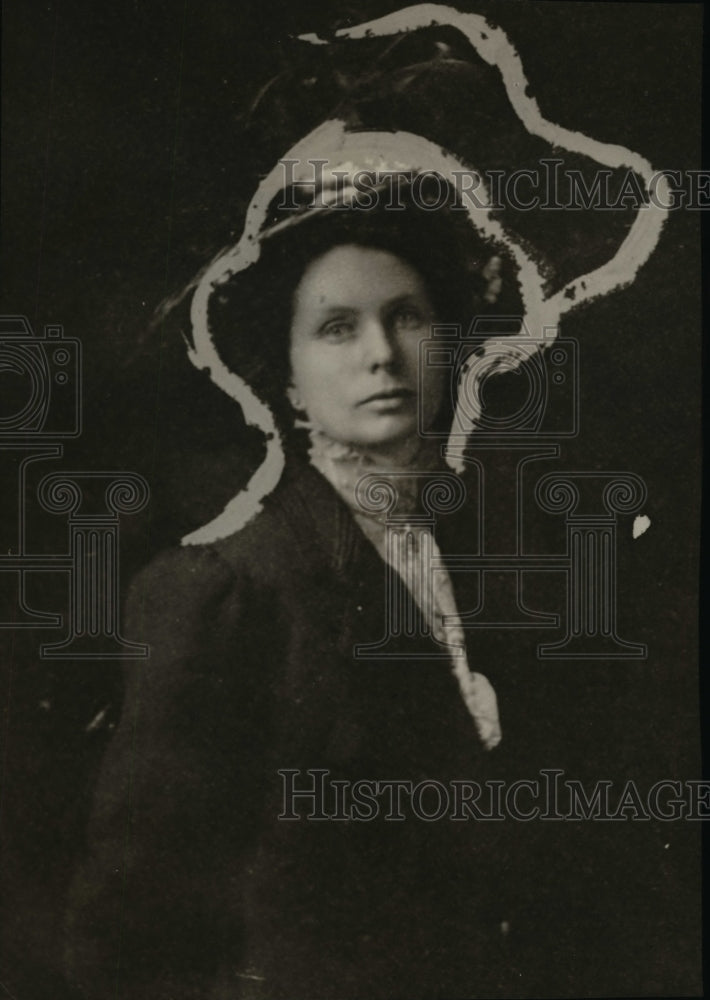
[389, 396]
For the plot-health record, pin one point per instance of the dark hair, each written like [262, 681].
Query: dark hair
[250, 314]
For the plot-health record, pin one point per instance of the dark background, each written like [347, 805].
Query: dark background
[133, 135]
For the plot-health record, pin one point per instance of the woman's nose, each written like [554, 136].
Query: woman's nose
[379, 347]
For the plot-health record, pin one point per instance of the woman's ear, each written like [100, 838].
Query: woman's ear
[491, 274]
[301, 420]
[293, 397]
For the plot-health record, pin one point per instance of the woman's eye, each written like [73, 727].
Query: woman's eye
[407, 318]
[337, 330]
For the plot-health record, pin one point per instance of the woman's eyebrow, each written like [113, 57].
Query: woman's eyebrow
[406, 297]
[333, 309]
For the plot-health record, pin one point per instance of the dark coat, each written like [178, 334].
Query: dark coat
[194, 888]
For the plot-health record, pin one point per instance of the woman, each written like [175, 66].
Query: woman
[208, 874]
[263, 685]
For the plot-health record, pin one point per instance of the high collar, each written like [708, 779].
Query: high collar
[344, 466]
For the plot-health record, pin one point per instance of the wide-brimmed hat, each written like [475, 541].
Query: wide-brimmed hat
[329, 167]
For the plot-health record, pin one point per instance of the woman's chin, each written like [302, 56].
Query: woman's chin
[397, 442]
[388, 430]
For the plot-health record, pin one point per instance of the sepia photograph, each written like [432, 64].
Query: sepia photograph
[350, 436]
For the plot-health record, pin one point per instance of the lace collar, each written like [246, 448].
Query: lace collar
[343, 466]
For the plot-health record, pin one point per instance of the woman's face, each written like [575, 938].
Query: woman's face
[359, 316]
